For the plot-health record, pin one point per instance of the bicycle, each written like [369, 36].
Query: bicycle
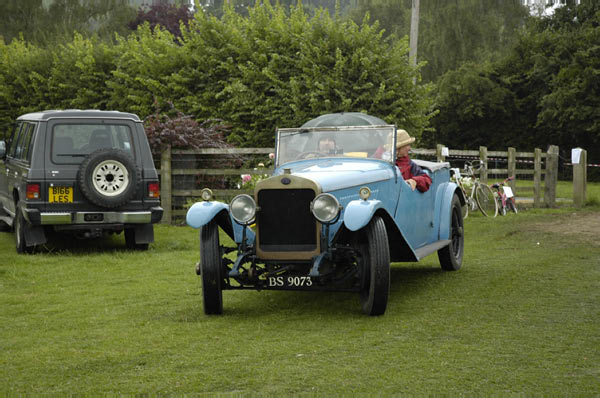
[481, 195]
[505, 197]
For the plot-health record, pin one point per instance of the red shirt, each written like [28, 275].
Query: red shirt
[410, 169]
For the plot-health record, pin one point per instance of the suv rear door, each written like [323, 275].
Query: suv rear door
[70, 142]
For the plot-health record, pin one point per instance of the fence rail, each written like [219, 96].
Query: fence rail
[544, 173]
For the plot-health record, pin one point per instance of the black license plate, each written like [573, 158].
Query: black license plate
[289, 281]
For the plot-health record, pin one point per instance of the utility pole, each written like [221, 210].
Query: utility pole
[414, 34]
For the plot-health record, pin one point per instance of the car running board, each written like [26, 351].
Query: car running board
[431, 248]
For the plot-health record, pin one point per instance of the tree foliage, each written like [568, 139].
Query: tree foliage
[451, 33]
[169, 16]
[546, 91]
[49, 24]
[270, 69]
[172, 127]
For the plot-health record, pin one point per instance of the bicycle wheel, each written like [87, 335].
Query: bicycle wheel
[486, 201]
[511, 205]
[501, 207]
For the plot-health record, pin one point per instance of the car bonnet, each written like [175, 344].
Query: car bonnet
[339, 173]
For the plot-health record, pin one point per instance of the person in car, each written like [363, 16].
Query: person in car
[411, 172]
[327, 145]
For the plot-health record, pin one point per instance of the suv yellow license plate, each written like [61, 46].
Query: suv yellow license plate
[60, 195]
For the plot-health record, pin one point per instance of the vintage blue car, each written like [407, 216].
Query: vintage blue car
[333, 215]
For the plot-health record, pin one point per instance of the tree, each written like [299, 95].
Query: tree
[58, 21]
[451, 32]
[167, 15]
[546, 91]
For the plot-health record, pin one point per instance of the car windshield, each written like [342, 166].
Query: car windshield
[71, 142]
[375, 142]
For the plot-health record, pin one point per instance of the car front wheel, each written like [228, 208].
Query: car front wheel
[375, 262]
[210, 269]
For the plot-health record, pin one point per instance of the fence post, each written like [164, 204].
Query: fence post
[512, 165]
[537, 177]
[165, 185]
[551, 176]
[580, 180]
[483, 174]
[438, 153]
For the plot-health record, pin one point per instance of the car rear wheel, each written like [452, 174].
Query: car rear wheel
[19, 226]
[210, 269]
[375, 262]
[109, 177]
[451, 256]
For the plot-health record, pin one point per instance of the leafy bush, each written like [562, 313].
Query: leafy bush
[269, 69]
[182, 131]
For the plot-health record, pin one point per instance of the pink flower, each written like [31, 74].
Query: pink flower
[271, 155]
[246, 178]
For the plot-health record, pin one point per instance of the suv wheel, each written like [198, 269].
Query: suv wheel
[19, 225]
[109, 177]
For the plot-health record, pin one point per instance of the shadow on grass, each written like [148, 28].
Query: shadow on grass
[405, 282]
[63, 243]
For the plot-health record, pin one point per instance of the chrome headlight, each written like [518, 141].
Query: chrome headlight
[243, 209]
[325, 208]
[206, 194]
[364, 193]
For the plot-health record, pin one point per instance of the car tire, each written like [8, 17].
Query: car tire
[109, 178]
[375, 261]
[130, 241]
[211, 269]
[451, 256]
[19, 227]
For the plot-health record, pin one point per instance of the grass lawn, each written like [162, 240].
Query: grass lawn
[522, 315]
[564, 191]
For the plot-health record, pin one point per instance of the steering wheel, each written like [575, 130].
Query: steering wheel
[303, 155]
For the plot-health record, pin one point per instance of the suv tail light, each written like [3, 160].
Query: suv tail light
[153, 190]
[33, 191]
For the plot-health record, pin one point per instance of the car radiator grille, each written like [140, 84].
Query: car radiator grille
[285, 222]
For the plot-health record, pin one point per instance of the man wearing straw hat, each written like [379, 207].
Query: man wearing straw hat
[411, 172]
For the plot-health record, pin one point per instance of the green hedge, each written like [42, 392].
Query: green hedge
[269, 69]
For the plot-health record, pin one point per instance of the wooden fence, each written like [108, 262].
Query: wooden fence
[541, 167]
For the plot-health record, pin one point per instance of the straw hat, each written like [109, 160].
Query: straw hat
[402, 138]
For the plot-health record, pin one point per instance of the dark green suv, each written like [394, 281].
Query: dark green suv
[80, 172]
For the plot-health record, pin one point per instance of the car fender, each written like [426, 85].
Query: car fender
[446, 193]
[358, 213]
[201, 213]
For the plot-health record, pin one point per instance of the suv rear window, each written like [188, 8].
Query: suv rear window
[71, 142]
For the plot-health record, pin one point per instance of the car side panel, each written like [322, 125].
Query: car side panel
[414, 214]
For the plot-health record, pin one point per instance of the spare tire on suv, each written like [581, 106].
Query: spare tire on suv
[109, 177]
